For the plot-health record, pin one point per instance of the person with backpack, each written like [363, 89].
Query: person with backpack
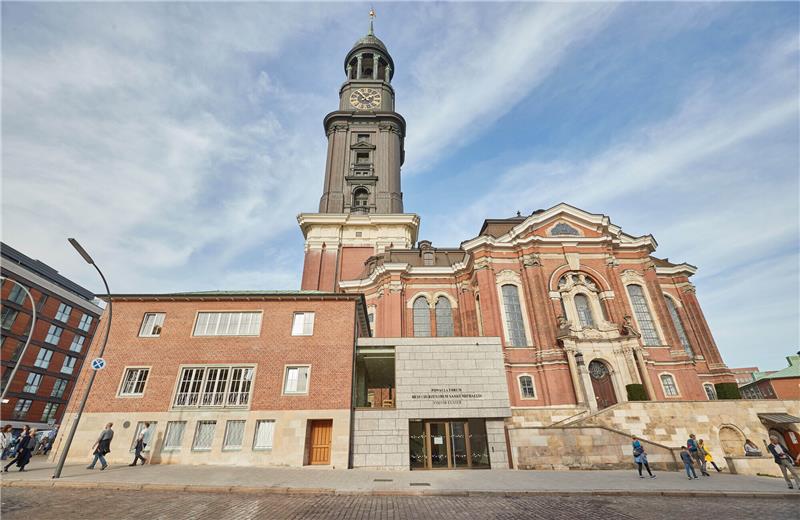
[640, 457]
[101, 447]
[697, 454]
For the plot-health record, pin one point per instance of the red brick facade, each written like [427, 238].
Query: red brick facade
[527, 253]
[48, 297]
[329, 351]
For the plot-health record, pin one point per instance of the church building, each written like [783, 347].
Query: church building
[543, 341]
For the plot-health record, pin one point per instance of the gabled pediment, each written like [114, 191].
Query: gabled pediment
[561, 223]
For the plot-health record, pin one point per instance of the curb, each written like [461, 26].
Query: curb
[196, 488]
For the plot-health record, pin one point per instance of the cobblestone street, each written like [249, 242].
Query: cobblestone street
[18, 503]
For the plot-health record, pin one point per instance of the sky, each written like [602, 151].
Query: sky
[178, 141]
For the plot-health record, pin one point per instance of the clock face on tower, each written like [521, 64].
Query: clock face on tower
[365, 98]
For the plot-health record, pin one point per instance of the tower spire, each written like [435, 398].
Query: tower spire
[371, 17]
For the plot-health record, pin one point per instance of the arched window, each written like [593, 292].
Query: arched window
[584, 312]
[444, 317]
[515, 326]
[676, 320]
[643, 317]
[360, 199]
[526, 387]
[422, 318]
[711, 393]
[669, 386]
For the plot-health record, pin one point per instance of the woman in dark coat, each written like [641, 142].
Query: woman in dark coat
[27, 445]
[19, 444]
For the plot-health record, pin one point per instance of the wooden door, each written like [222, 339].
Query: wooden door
[320, 447]
[601, 384]
[792, 443]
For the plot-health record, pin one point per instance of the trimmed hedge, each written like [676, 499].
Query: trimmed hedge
[727, 391]
[636, 392]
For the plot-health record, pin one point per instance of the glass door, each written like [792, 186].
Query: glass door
[439, 445]
[418, 445]
[459, 441]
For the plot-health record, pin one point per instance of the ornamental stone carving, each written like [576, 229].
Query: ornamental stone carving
[531, 260]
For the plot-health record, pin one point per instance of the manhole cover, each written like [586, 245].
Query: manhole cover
[383, 480]
[419, 484]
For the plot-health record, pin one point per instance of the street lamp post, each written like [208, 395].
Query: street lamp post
[65, 450]
[27, 341]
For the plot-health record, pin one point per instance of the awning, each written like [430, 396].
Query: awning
[779, 418]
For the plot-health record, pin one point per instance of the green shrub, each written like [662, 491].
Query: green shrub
[727, 391]
[636, 392]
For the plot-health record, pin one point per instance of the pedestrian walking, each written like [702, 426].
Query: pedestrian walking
[25, 446]
[5, 441]
[708, 457]
[687, 459]
[102, 446]
[141, 443]
[640, 457]
[783, 460]
[25, 453]
[18, 444]
[697, 454]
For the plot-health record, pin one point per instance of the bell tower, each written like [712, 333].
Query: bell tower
[361, 208]
[365, 136]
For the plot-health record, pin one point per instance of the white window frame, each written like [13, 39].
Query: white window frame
[713, 391]
[43, 361]
[54, 332]
[167, 432]
[533, 387]
[257, 447]
[197, 426]
[78, 340]
[303, 323]
[258, 315]
[286, 369]
[85, 323]
[154, 327]
[70, 366]
[138, 369]
[63, 312]
[225, 439]
[651, 309]
[674, 382]
[241, 400]
[32, 388]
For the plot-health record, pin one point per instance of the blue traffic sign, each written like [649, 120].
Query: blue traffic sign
[98, 363]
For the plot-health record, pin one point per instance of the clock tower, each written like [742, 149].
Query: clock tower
[361, 208]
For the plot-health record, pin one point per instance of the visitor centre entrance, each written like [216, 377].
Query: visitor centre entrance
[448, 444]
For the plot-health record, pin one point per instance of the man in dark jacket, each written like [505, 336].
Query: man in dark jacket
[784, 460]
[102, 446]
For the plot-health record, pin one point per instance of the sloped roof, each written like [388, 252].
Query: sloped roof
[792, 371]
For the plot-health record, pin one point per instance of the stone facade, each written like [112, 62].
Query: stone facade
[436, 378]
[554, 439]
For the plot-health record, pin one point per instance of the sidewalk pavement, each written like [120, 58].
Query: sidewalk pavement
[226, 479]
